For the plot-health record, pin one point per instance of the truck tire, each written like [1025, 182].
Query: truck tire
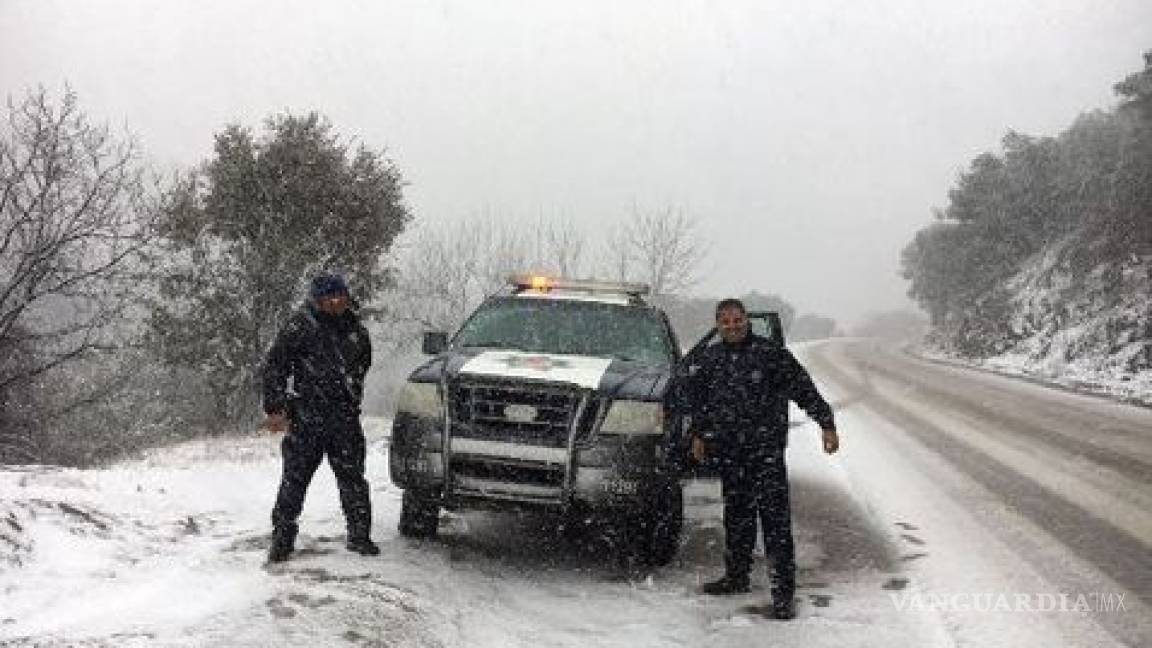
[419, 515]
[662, 523]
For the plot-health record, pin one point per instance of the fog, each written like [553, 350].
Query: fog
[809, 140]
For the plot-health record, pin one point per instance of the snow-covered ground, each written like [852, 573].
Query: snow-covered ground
[169, 550]
[1015, 495]
[1087, 331]
[1083, 374]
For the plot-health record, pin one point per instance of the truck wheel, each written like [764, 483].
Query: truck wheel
[663, 524]
[419, 515]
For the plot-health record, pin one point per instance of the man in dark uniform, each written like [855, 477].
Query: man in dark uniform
[740, 395]
[313, 386]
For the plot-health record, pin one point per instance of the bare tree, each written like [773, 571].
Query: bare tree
[74, 217]
[616, 258]
[661, 248]
[564, 245]
[442, 274]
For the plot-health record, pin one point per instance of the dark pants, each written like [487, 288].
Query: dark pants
[303, 448]
[755, 487]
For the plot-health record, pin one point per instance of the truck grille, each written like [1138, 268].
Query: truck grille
[532, 414]
[515, 472]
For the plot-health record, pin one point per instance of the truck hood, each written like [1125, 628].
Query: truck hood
[617, 379]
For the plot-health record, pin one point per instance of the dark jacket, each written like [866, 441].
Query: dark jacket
[326, 357]
[740, 395]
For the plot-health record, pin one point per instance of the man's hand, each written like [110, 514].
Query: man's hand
[697, 449]
[831, 441]
[275, 422]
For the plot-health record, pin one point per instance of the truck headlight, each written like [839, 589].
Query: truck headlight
[634, 417]
[421, 400]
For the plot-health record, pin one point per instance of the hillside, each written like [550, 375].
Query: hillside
[1041, 262]
[1089, 330]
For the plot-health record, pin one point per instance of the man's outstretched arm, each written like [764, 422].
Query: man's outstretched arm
[803, 392]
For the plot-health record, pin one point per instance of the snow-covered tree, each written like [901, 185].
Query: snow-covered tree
[1071, 212]
[244, 233]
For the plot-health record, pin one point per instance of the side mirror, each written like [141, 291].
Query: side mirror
[434, 342]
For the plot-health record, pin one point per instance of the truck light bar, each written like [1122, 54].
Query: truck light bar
[540, 283]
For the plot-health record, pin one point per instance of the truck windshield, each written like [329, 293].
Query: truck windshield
[569, 327]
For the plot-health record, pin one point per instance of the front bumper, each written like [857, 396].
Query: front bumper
[604, 471]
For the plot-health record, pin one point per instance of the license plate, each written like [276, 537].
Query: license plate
[620, 486]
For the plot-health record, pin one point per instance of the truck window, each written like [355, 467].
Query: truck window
[569, 327]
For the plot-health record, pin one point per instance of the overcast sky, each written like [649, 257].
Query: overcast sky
[809, 139]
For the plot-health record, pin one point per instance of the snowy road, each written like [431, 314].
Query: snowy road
[1018, 488]
[952, 486]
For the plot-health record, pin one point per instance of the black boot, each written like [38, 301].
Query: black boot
[783, 609]
[727, 585]
[283, 543]
[363, 546]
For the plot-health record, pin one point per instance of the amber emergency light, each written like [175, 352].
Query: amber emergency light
[541, 283]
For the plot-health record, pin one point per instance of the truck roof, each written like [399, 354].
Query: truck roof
[558, 295]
